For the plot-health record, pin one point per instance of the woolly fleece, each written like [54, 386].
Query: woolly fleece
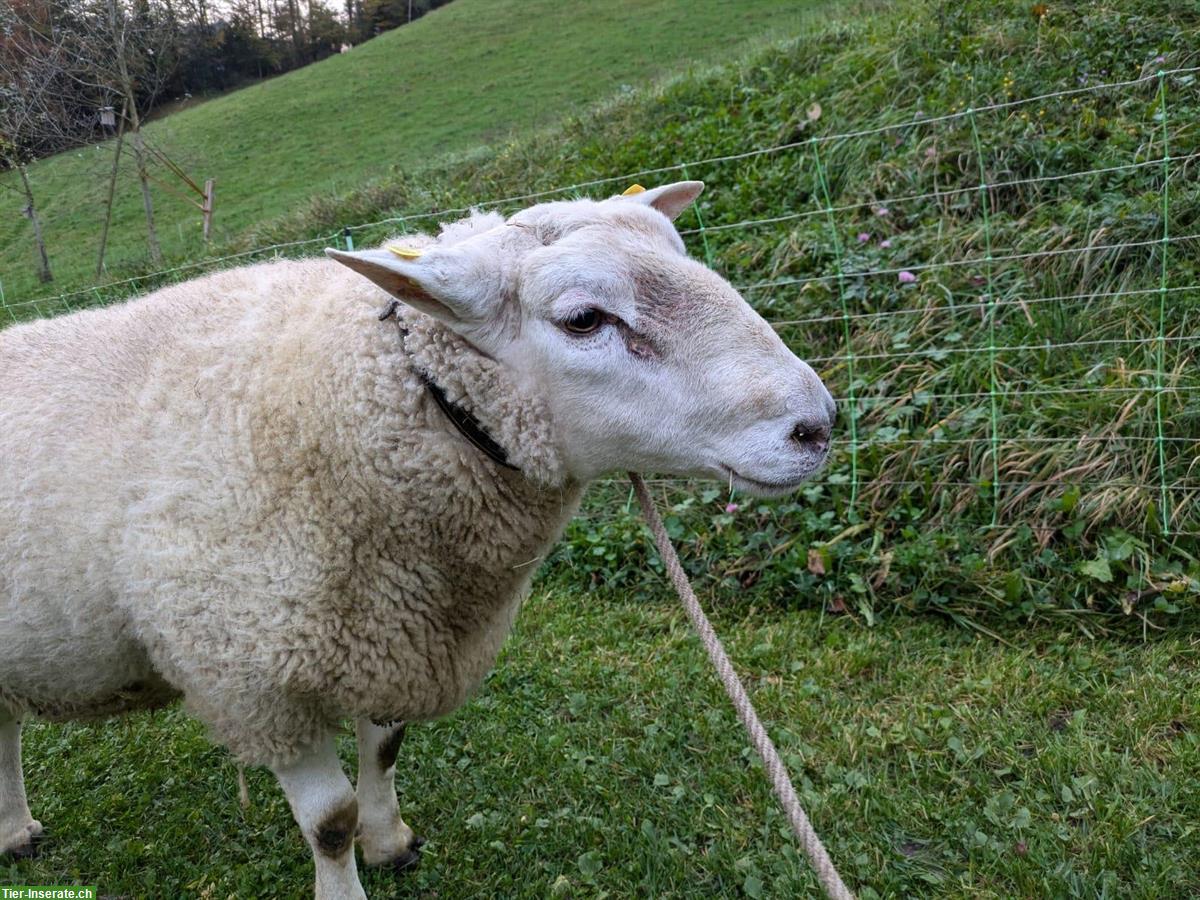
[238, 490]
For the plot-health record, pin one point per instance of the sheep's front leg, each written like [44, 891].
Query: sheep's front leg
[19, 831]
[327, 812]
[383, 836]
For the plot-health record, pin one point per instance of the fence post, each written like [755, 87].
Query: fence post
[851, 396]
[993, 380]
[1162, 308]
[708, 257]
[207, 208]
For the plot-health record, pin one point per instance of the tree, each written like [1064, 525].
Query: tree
[325, 32]
[376, 16]
[127, 49]
[37, 111]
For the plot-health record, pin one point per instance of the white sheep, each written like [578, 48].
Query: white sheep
[249, 491]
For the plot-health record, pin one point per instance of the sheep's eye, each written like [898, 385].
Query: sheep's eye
[585, 321]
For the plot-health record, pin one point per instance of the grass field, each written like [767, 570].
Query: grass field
[602, 759]
[971, 709]
[474, 71]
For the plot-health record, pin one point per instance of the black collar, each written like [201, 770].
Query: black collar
[468, 426]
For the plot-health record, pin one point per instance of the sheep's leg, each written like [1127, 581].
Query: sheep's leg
[384, 838]
[327, 812]
[19, 831]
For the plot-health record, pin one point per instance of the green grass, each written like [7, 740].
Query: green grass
[1028, 481]
[602, 759]
[969, 710]
[472, 72]
[1048, 501]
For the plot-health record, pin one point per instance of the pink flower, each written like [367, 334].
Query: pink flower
[731, 508]
[885, 244]
[1160, 59]
[907, 277]
[863, 237]
[930, 152]
[882, 211]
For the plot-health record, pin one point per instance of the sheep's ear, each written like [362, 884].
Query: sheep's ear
[669, 199]
[448, 283]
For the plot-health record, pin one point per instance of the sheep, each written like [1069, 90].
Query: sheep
[250, 491]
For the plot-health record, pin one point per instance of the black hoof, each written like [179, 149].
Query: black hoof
[25, 851]
[406, 860]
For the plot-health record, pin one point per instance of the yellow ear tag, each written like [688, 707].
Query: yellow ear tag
[405, 252]
[633, 189]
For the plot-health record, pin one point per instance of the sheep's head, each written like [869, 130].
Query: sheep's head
[647, 359]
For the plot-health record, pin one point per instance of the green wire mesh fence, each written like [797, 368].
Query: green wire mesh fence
[984, 310]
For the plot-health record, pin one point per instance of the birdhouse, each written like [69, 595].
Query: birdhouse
[107, 118]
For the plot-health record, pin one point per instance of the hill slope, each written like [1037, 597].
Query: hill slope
[601, 757]
[1018, 435]
[470, 72]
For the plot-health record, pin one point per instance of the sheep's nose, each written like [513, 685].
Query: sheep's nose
[813, 434]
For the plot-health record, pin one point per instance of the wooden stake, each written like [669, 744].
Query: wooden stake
[207, 208]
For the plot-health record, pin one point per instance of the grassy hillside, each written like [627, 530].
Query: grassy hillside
[1057, 757]
[471, 72]
[1020, 436]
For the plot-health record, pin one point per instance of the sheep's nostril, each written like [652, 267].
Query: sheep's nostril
[811, 434]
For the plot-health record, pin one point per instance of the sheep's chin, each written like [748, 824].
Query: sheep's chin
[765, 489]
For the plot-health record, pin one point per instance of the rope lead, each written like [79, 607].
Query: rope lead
[818, 857]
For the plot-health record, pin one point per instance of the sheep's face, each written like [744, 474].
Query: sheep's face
[647, 359]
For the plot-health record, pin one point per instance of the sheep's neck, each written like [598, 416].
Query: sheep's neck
[454, 537]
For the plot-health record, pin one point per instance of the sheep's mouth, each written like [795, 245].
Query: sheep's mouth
[761, 488]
